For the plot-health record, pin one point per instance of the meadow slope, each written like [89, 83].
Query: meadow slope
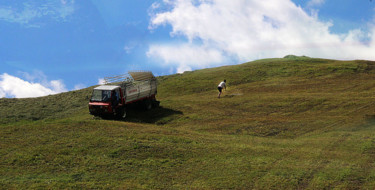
[288, 123]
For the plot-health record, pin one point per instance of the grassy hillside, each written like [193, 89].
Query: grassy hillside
[290, 123]
[52, 106]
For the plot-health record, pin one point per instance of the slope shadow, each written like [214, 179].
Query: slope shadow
[158, 115]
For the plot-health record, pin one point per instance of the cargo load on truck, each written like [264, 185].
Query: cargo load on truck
[120, 92]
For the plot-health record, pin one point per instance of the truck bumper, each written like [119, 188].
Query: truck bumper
[100, 110]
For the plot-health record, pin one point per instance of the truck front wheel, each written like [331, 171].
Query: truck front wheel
[122, 113]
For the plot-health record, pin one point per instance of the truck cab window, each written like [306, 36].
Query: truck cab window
[101, 95]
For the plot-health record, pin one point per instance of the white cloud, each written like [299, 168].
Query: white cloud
[11, 86]
[26, 13]
[128, 48]
[57, 86]
[244, 30]
[79, 86]
[186, 56]
[36, 76]
[312, 3]
[2, 93]
[101, 81]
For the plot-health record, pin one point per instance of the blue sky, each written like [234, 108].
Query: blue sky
[53, 46]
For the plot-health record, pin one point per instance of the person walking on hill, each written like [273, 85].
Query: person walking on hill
[221, 86]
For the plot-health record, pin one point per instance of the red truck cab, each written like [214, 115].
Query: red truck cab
[107, 100]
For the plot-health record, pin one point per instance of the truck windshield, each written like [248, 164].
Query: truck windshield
[101, 95]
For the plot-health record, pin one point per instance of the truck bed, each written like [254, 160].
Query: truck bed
[139, 90]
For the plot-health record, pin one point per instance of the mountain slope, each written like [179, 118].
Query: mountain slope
[295, 122]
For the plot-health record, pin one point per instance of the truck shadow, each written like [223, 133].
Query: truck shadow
[158, 115]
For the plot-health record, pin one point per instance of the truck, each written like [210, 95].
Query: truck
[121, 92]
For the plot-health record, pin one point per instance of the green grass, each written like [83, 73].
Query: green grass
[291, 123]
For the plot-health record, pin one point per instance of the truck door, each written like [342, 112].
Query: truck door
[117, 91]
[115, 97]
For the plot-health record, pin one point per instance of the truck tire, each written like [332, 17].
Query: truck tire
[122, 114]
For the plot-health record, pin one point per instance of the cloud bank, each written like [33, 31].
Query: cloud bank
[221, 31]
[11, 86]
